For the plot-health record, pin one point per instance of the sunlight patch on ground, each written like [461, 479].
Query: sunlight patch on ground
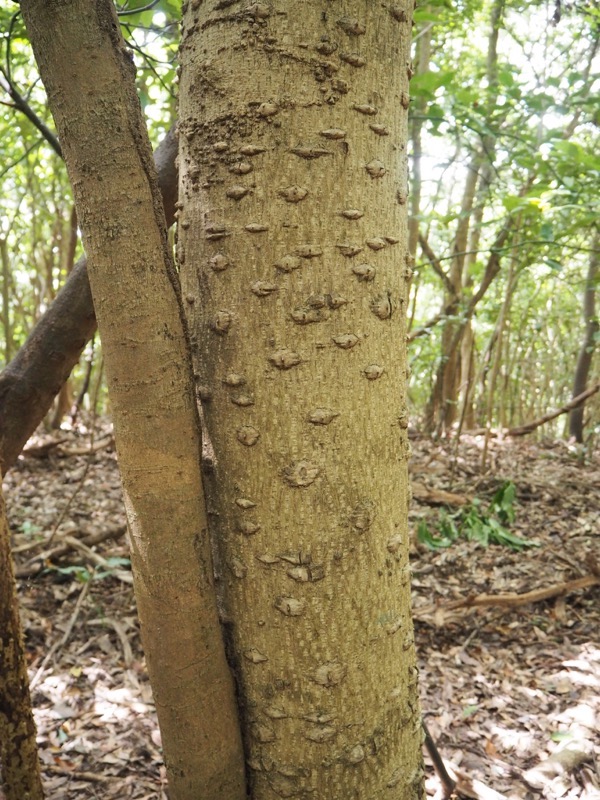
[116, 704]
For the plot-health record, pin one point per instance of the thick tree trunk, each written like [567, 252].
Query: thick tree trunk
[29, 384]
[588, 345]
[19, 766]
[89, 77]
[293, 252]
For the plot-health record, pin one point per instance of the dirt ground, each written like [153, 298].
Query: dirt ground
[510, 689]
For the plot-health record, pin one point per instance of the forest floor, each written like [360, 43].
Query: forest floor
[510, 689]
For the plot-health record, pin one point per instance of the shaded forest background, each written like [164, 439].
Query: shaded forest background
[503, 208]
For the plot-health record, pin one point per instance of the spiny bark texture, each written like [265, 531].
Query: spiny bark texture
[293, 252]
[19, 766]
[31, 381]
[89, 77]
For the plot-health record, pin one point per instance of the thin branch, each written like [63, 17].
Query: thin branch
[11, 26]
[524, 243]
[492, 267]
[38, 563]
[431, 323]
[435, 264]
[448, 783]
[65, 638]
[24, 107]
[13, 164]
[131, 11]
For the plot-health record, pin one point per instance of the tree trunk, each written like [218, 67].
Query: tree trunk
[6, 312]
[586, 353]
[293, 253]
[18, 750]
[89, 78]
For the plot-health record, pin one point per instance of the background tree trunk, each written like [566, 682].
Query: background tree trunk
[293, 253]
[89, 77]
[586, 352]
[20, 770]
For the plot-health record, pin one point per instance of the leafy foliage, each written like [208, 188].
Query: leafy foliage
[517, 107]
[486, 526]
[83, 574]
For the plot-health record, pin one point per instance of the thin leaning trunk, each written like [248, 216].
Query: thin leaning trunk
[295, 267]
[19, 765]
[588, 345]
[89, 77]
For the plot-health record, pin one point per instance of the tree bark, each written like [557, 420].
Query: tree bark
[89, 77]
[18, 750]
[29, 384]
[586, 352]
[295, 268]
[6, 314]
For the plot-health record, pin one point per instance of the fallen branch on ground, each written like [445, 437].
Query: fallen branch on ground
[100, 444]
[509, 599]
[79, 775]
[529, 427]
[37, 564]
[43, 447]
[431, 496]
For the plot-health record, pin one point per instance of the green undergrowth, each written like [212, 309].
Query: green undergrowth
[477, 523]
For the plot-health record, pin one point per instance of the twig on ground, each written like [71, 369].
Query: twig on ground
[80, 775]
[510, 599]
[36, 565]
[101, 444]
[448, 783]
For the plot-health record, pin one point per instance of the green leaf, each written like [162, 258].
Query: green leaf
[82, 574]
[117, 561]
[424, 15]
[502, 503]
[561, 736]
[427, 84]
[424, 536]
[29, 528]
[506, 77]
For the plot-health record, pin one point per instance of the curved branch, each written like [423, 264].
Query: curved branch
[24, 107]
[529, 427]
[436, 266]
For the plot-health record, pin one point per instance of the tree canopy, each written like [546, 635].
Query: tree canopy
[504, 168]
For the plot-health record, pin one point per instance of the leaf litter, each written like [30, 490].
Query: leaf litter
[510, 693]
